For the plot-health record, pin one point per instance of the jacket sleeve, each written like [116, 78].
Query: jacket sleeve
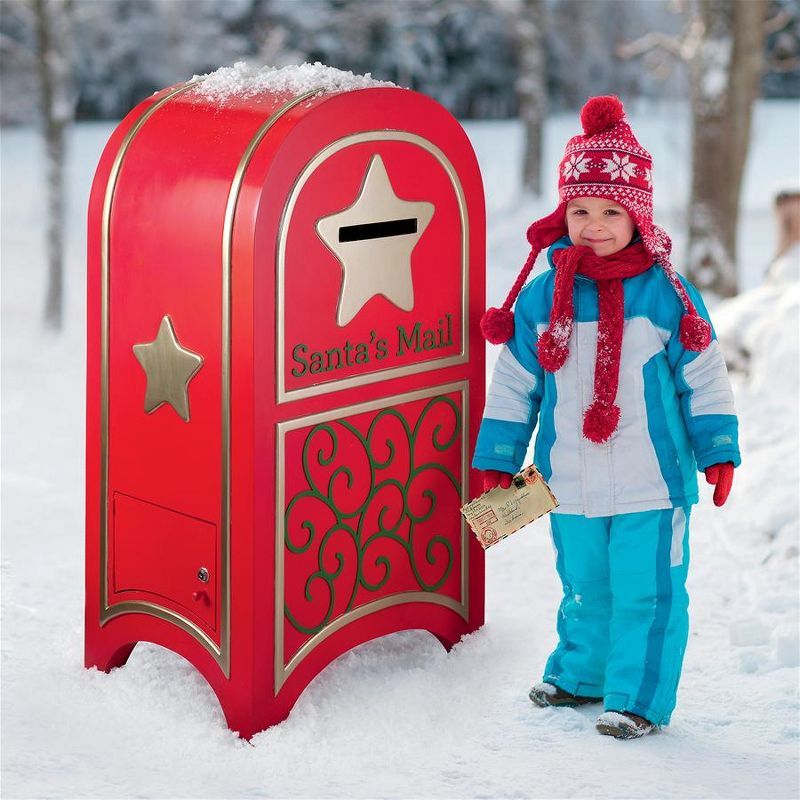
[705, 394]
[512, 402]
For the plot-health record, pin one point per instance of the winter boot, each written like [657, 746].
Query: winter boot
[547, 694]
[623, 725]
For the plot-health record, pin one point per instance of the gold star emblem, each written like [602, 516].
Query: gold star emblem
[373, 239]
[169, 368]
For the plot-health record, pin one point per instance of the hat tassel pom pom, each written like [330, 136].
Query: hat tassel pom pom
[600, 421]
[550, 353]
[695, 333]
[497, 325]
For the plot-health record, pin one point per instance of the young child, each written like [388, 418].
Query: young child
[615, 356]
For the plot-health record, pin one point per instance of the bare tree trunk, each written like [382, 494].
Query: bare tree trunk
[725, 73]
[54, 40]
[532, 88]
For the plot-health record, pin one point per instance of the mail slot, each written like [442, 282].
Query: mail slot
[285, 378]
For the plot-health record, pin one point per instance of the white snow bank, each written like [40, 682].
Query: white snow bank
[758, 332]
[244, 80]
[745, 632]
[785, 268]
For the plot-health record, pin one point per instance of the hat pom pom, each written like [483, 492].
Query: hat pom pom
[601, 113]
[600, 421]
[695, 332]
[497, 325]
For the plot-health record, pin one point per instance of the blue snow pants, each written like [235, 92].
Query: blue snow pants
[623, 621]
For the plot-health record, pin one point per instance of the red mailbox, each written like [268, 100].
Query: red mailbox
[285, 381]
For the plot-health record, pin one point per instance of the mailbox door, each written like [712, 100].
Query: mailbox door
[373, 215]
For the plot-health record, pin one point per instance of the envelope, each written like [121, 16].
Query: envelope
[500, 512]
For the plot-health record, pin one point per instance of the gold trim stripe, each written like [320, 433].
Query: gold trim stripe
[227, 245]
[283, 671]
[364, 611]
[105, 292]
[145, 607]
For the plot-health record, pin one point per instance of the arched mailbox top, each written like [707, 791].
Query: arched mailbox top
[351, 209]
[367, 211]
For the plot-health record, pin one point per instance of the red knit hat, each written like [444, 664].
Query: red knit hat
[606, 161]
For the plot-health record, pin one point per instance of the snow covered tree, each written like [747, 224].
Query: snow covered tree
[782, 51]
[532, 90]
[36, 40]
[18, 79]
[723, 46]
[526, 20]
[457, 51]
[725, 74]
[125, 53]
[582, 57]
[130, 49]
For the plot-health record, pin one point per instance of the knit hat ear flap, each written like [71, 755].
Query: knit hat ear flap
[497, 324]
[694, 332]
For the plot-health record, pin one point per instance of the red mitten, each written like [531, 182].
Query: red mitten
[493, 477]
[721, 475]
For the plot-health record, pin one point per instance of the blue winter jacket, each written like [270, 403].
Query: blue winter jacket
[677, 412]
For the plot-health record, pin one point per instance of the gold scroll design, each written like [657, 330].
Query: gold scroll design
[361, 512]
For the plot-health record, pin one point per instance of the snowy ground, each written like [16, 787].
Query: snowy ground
[399, 717]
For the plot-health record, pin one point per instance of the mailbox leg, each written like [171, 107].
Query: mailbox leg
[247, 724]
[105, 652]
[105, 658]
[450, 637]
[447, 642]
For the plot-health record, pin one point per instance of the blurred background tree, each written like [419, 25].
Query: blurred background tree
[36, 39]
[726, 45]
[487, 59]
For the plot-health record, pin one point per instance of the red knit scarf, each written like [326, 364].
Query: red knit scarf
[602, 416]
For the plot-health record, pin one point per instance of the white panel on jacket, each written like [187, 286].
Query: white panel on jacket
[707, 377]
[508, 398]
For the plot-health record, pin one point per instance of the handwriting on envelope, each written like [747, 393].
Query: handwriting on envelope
[500, 512]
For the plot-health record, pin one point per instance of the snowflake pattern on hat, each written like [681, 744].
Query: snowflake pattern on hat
[620, 167]
[615, 166]
[574, 167]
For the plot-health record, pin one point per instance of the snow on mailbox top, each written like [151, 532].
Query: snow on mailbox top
[243, 80]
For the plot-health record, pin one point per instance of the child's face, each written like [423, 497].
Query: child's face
[601, 224]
